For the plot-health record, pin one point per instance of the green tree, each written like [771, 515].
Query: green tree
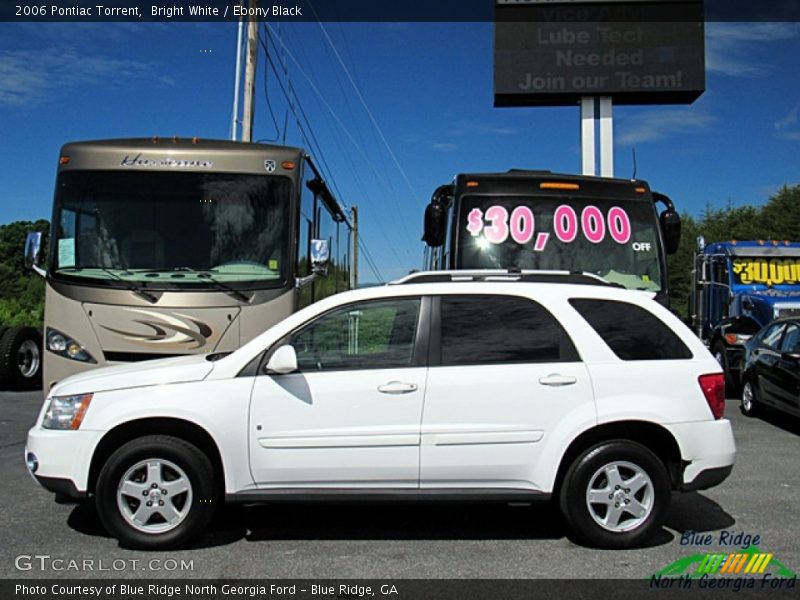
[21, 290]
[780, 216]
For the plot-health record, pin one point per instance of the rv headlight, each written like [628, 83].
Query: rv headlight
[63, 345]
[66, 412]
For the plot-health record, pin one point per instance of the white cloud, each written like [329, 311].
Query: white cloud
[444, 147]
[729, 46]
[475, 128]
[653, 125]
[787, 127]
[33, 77]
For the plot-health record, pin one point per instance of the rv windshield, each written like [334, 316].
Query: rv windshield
[616, 239]
[172, 229]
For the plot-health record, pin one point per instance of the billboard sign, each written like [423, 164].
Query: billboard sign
[552, 53]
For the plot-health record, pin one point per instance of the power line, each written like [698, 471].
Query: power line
[332, 112]
[368, 111]
[310, 140]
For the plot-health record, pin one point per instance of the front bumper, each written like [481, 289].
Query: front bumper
[708, 451]
[63, 459]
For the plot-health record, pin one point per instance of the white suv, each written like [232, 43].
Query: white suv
[443, 386]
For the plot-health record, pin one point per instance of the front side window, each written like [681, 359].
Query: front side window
[772, 335]
[791, 340]
[616, 239]
[631, 332]
[487, 329]
[370, 335]
[171, 229]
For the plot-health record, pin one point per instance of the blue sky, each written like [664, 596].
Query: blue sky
[426, 113]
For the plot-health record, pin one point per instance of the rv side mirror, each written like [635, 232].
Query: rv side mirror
[320, 255]
[670, 222]
[282, 362]
[33, 249]
[433, 233]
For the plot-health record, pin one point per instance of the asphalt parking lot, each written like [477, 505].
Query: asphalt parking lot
[760, 498]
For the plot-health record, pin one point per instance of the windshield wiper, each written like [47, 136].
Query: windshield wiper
[131, 286]
[225, 287]
[219, 285]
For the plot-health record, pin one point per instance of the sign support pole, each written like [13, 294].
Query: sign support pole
[588, 166]
[606, 136]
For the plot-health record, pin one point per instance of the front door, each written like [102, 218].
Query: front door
[350, 417]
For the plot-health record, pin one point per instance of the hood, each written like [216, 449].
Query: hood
[139, 374]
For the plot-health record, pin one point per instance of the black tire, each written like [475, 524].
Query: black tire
[21, 358]
[590, 472]
[749, 406]
[196, 506]
[721, 355]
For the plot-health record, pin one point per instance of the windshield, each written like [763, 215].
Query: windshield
[172, 229]
[616, 239]
[751, 270]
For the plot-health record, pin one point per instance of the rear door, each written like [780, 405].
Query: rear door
[504, 376]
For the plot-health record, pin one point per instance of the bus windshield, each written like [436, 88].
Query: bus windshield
[616, 239]
[172, 229]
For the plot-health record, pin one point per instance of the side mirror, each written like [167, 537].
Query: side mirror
[33, 248]
[670, 222]
[435, 223]
[320, 255]
[434, 226]
[282, 361]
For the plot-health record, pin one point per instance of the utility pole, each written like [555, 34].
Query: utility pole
[237, 81]
[250, 76]
[354, 269]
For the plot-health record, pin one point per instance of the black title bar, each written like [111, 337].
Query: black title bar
[381, 11]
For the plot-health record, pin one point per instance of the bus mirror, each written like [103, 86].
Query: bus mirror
[670, 222]
[320, 254]
[433, 234]
[33, 248]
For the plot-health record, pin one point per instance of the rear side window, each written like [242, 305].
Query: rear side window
[487, 329]
[631, 332]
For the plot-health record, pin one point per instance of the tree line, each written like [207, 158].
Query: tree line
[22, 291]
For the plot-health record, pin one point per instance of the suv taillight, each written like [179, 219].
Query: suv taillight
[713, 386]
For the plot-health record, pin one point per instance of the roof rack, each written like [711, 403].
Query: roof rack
[532, 276]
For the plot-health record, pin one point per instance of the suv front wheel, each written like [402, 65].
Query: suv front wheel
[615, 495]
[156, 492]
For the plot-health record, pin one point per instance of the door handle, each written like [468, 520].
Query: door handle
[557, 380]
[397, 387]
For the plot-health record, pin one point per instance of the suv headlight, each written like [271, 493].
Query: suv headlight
[66, 412]
[63, 345]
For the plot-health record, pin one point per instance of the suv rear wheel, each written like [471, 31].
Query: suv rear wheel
[156, 492]
[615, 495]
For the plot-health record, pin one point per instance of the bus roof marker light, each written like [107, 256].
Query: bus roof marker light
[641, 190]
[558, 185]
[64, 160]
[472, 184]
[288, 165]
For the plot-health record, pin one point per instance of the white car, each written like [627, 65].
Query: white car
[450, 386]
